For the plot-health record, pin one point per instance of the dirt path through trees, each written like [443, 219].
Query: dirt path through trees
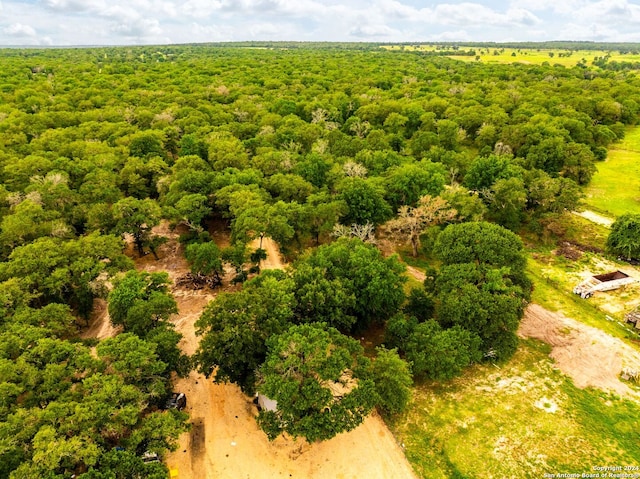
[100, 326]
[274, 260]
[224, 441]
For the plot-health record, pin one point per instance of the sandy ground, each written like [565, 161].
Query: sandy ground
[595, 218]
[100, 326]
[416, 273]
[586, 354]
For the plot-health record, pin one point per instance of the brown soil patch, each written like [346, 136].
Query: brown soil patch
[416, 273]
[589, 356]
[100, 326]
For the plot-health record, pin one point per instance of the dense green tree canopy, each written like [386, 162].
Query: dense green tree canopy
[482, 286]
[235, 327]
[624, 238]
[376, 282]
[279, 142]
[320, 380]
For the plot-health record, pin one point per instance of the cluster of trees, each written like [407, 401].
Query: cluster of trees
[100, 144]
[469, 309]
[285, 335]
[65, 409]
[624, 238]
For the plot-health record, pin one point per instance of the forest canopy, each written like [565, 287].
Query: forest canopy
[298, 143]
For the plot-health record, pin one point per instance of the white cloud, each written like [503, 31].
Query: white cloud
[476, 14]
[372, 31]
[138, 28]
[19, 30]
[145, 21]
[456, 36]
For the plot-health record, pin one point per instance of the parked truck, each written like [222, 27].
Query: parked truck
[602, 282]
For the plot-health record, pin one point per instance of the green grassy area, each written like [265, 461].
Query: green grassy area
[522, 419]
[615, 188]
[524, 55]
[581, 231]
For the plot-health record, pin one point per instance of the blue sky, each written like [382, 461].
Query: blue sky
[118, 22]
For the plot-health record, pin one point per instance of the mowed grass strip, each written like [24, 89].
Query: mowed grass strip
[615, 189]
[521, 420]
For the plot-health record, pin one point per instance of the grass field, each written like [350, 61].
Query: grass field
[615, 189]
[522, 420]
[529, 56]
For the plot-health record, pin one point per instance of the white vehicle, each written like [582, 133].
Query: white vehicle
[603, 282]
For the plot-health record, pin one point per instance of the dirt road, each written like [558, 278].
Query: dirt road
[100, 326]
[274, 260]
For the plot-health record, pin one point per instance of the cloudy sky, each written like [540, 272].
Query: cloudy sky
[117, 22]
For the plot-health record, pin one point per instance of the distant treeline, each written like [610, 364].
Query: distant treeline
[622, 47]
[556, 45]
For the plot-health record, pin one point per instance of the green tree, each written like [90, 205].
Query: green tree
[484, 301]
[406, 184]
[260, 220]
[57, 271]
[377, 282]
[320, 380]
[484, 171]
[323, 212]
[624, 237]
[137, 217]
[235, 327]
[206, 259]
[141, 301]
[480, 243]
[192, 209]
[146, 143]
[323, 300]
[365, 202]
[392, 377]
[482, 285]
[507, 201]
[437, 353]
[468, 205]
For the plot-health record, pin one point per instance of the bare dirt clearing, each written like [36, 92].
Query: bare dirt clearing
[586, 354]
[595, 218]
